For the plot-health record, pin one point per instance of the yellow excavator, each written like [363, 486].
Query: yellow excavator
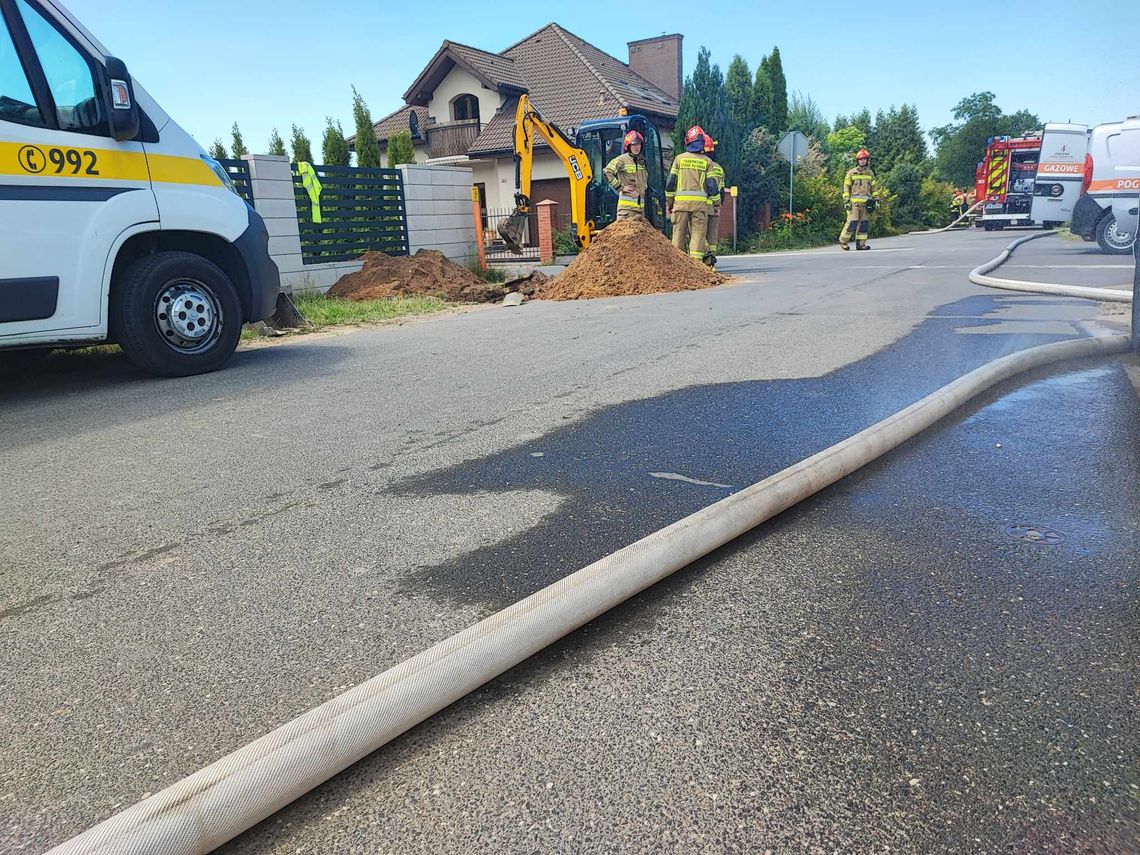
[593, 203]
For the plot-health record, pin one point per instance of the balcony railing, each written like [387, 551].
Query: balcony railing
[451, 138]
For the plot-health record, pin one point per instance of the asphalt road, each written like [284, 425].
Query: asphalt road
[187, 564]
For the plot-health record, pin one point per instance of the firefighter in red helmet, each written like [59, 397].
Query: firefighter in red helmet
[627, 174]
[687, 192]
[716, 171]
[859, 200]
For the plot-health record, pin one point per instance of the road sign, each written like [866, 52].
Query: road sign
[793, 146]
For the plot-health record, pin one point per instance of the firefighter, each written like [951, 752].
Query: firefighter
[716, 171]
[958, 206]
[858, 199]
[627, 174]
[687, 191]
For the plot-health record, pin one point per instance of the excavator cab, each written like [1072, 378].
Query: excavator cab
[601, 139]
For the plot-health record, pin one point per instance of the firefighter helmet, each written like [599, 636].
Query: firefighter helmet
[631, 138]
[695, 139]
[859, 155]
[709, 144]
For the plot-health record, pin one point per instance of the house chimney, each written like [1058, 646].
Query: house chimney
[658, 60]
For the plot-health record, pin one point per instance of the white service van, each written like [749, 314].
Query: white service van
[1111, 145]
[1057, 185]
[114, 223]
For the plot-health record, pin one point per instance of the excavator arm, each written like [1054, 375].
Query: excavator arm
[529, 124]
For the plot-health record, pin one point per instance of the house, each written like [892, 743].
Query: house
[461, 107]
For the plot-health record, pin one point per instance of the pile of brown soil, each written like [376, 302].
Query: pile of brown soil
[428, 273]
[626, 258]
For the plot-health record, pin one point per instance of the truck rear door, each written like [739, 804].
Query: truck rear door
[1059, 171]
[68, 190]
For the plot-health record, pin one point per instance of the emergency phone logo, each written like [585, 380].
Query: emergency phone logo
[32, 159]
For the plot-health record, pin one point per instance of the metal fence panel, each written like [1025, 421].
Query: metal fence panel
[362, 209]
[239, 174]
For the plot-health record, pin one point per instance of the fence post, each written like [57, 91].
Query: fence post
[547, 210]
[271, 182]
[482, 250]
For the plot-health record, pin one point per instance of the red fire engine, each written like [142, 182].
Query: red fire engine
[1005, 180]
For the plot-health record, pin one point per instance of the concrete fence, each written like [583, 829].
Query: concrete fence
[437, 201]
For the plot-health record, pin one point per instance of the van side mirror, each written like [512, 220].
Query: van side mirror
[122, 111]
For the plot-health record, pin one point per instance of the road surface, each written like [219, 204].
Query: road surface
[187, 564]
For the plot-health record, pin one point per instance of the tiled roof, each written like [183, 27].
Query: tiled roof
[396, 122]
[499, 69]
[493, 70]
[569, 80]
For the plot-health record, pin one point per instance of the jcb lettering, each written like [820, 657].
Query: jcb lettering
[577, 169]
[58, 161]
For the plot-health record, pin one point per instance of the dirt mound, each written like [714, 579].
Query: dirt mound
[428, 273]
[529, 284]
[626, 258]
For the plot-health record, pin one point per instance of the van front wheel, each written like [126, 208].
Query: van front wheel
[175, 314]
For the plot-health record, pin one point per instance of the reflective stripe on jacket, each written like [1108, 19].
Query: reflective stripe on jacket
[716, 173]
[629, 177]
[690, 171]
[858, 184]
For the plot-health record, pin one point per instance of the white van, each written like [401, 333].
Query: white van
[1057, 185]
[1110, 145]
[114, 224]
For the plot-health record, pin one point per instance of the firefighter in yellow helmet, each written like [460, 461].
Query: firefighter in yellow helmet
[716, 171]
[687, 192]
[859, 200]
[628, 175]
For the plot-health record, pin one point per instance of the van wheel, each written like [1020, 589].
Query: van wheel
[1113, 240]
[175, 314]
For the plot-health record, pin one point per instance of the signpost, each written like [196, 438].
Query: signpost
[792, 146]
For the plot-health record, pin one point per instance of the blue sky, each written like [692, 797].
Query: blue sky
[269, 63]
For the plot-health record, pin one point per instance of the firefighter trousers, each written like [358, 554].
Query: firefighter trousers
[712, 232]
[690, 232]
[630, 214]
[857, 225]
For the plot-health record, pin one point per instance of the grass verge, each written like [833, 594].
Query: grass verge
[330, 312]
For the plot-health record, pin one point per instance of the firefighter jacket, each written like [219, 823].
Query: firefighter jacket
[629, 177]
[689, 184]
[716, 173]
[858, 185]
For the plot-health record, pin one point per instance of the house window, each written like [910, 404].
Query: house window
[465, 107]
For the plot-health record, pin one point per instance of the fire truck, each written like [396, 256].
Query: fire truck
[1033, 179]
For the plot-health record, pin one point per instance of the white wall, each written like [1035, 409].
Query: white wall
[440, 210]
[500, 176]
[459, 82]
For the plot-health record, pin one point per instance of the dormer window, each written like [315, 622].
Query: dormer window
[464, 107]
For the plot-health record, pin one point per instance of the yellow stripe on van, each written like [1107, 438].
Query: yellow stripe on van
[167, 169]
[55, 162]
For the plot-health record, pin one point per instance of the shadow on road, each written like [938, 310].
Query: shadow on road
[730, 434]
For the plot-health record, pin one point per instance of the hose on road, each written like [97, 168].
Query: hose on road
[211, 806]
[978, 277]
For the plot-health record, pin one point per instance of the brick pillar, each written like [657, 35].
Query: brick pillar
[547, 212]
[271, 179]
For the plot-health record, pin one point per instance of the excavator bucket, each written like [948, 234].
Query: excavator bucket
[511, 230]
